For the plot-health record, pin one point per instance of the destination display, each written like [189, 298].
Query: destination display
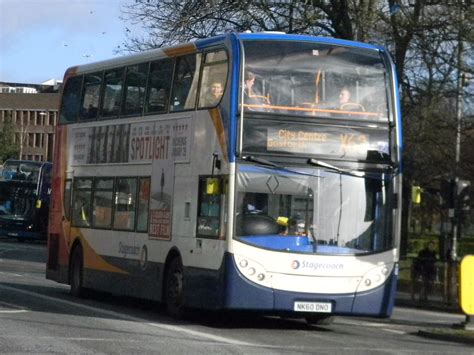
[309, 140]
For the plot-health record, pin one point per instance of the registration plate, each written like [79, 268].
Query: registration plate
[321, 307]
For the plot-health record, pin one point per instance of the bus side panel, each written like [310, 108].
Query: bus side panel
[58, 249]
[242, 294]
[137, 284]
[203, 288]
[378, 302]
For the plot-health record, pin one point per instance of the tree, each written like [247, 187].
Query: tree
[167, 22]
[8, 149]
[423, 36]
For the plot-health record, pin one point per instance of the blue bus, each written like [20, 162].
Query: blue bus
[250, 171]
[25, 189]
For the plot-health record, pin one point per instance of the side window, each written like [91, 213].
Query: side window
[209, 210]
[112, 95]
[90, 96]
[71, 100]
[102, 203]
[183, 96]
[143, 204]
[213, 80]
[125, 203]
[67, 199]
[81, 205]
[134, 89]
[159, 84]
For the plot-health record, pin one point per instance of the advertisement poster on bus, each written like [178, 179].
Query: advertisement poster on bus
[164, 143]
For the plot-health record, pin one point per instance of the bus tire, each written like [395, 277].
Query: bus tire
[319, 319]
[174, 289]
[76, 271]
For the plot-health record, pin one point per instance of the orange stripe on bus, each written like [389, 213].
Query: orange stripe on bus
[288, 108]
[180, 50]
[92, 260]
[219, 126]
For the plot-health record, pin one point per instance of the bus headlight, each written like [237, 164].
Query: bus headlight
[243, 263]
[252, 270]
[375, 277]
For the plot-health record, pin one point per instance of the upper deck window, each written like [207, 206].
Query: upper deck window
[159, 84]
[315, 79]
[213, 81]
[90, 96]
[71, 100]
[113, 82]
[185, 82]
[134, 89]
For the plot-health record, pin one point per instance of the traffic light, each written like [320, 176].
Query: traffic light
[416, 194]
[463, 193]
[447, 192]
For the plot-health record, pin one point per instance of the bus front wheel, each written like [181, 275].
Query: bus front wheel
[76, 272]
[174, 289]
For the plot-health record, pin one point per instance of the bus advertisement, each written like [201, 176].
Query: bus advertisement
[250, 171]
[25, 189]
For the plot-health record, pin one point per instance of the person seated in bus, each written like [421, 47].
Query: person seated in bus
[345, 102]
[214, 94]
[250, 97]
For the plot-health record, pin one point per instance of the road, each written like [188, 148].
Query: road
[39, 316]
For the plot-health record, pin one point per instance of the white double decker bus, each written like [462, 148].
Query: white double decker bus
[246, 171]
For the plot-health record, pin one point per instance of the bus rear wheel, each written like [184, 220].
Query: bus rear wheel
[174, 289]
[76, 273]
[319, 319]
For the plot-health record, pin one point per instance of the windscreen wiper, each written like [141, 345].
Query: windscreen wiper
[262, 161]
[323, 164]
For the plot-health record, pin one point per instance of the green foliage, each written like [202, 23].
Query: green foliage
[8, 149]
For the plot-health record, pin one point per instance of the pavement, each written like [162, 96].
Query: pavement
[461, 332]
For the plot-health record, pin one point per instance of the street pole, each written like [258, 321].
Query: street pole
[459, 109]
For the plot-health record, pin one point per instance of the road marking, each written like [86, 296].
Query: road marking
[394, 331]
[10, 273]
[199, 334]
[15, 309]
[382, 326]
[368, 324]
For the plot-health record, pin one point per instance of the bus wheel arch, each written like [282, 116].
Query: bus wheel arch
[76, 270]
[173, 285]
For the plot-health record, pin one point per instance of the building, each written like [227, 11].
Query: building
[33, 110]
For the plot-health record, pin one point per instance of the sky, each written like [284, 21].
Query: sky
[40, 39]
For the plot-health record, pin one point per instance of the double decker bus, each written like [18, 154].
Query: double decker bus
[250, 171]
[25, 189]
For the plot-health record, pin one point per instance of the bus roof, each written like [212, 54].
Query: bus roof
[192, 47]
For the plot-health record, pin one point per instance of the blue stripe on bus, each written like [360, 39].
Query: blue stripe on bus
[399, 116]
[234, 97]
[207, 42]
[294, 243]
[293, 37]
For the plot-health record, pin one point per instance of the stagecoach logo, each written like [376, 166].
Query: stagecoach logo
[128, 250]
[295, 265]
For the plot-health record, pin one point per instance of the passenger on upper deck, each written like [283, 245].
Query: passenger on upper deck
[344, 96]
[250, 98]
[345, 102]
[214, 94]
